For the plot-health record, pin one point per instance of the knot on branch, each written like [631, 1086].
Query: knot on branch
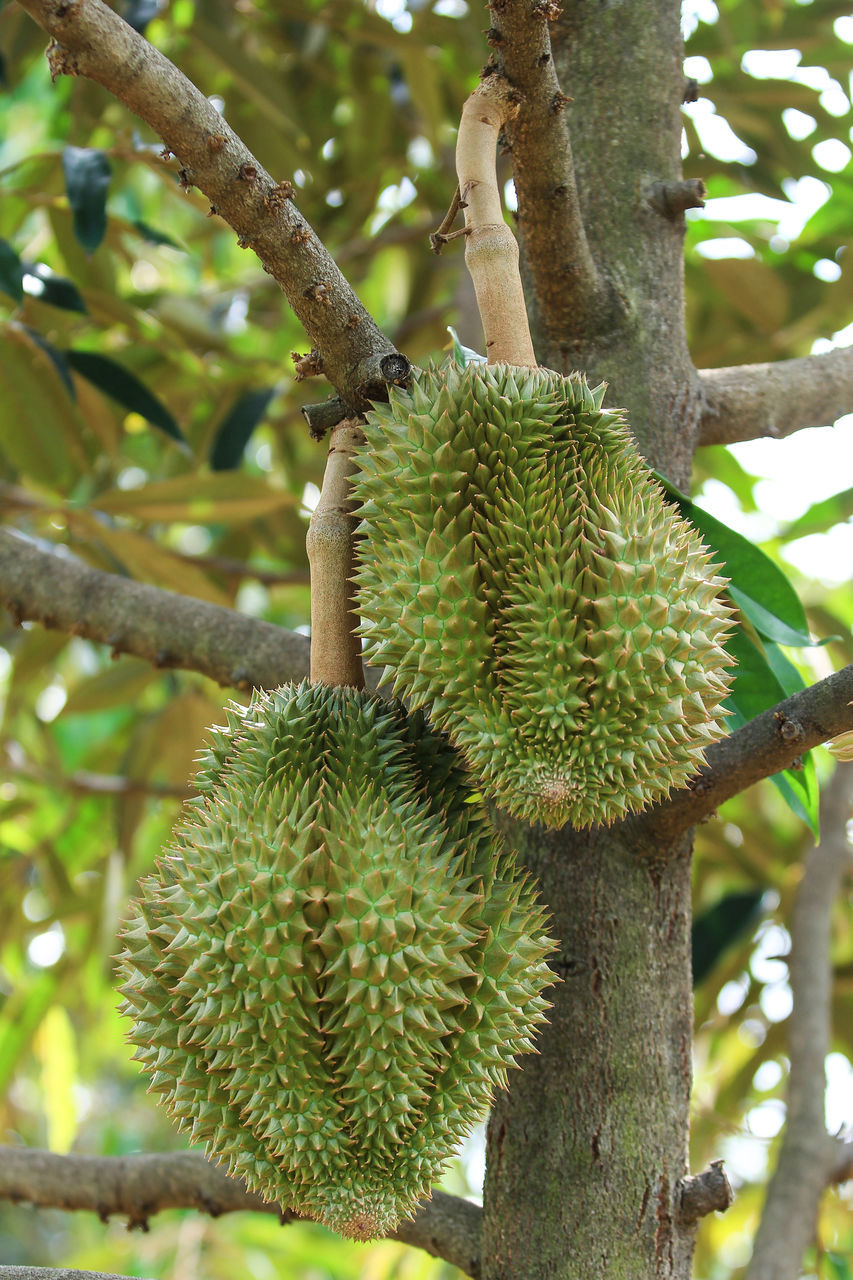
[60, 61]
[788, 730]
[671, 199]
[309, 365]
[704, 1193]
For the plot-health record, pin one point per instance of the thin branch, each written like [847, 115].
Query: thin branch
[93, 41]
[164, 628]
[335, 646]
[748, 401]
[771, 742]
[807, 1156]
[568, 284]
[137, 1187]
[491, 250]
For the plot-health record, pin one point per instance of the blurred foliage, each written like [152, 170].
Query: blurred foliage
[150, 423]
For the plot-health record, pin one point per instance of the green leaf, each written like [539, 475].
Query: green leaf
[199, 499]
[42, 283]
[124, 387]
[237, 426]
[11, 272]
[87, 180]
[838, 1267]
[152, 235]
[720, 927]
[56, 358]
[766, 623]
[761, 680]
[764, 593]
[463, 355]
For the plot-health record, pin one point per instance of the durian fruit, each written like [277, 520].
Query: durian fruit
[523, 577]
[336, 960]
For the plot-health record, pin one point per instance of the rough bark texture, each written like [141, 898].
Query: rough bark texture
[587, 1152]
[755, 400]
[621, 64]
[139, 1186]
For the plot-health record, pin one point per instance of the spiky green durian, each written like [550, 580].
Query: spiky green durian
[523, 577]
[336, 960]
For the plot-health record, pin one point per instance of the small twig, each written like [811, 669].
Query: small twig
[443, 234]
[322, 417]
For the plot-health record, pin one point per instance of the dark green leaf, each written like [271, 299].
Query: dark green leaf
[720, 926]
[4, 79]
[763, 679]
[138, 13]
[125, 388]
[766, 623]
[56, 358]
[238, 425]
[40, 282]
[11, 272]
[153, 236]
[764, 593]
[87, 180]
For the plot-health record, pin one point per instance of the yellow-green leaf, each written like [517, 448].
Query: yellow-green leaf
[198, 499]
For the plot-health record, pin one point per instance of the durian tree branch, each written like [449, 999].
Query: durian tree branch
[335, 647]
[771, 742]
[746, 402]
[491, 250]
[52, 1273]
[808, 1154]
[569, 291]
[93, 41]
[164, 628]
[139, 1186]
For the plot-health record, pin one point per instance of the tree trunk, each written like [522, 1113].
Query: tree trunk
[586, 1150]
[621, 64]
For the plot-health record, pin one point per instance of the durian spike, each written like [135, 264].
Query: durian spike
[335, 647]
[491, 251]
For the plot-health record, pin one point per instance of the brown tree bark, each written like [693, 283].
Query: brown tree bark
[587, 1152]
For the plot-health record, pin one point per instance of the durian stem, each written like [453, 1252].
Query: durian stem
[491, 251]
[330, 543]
